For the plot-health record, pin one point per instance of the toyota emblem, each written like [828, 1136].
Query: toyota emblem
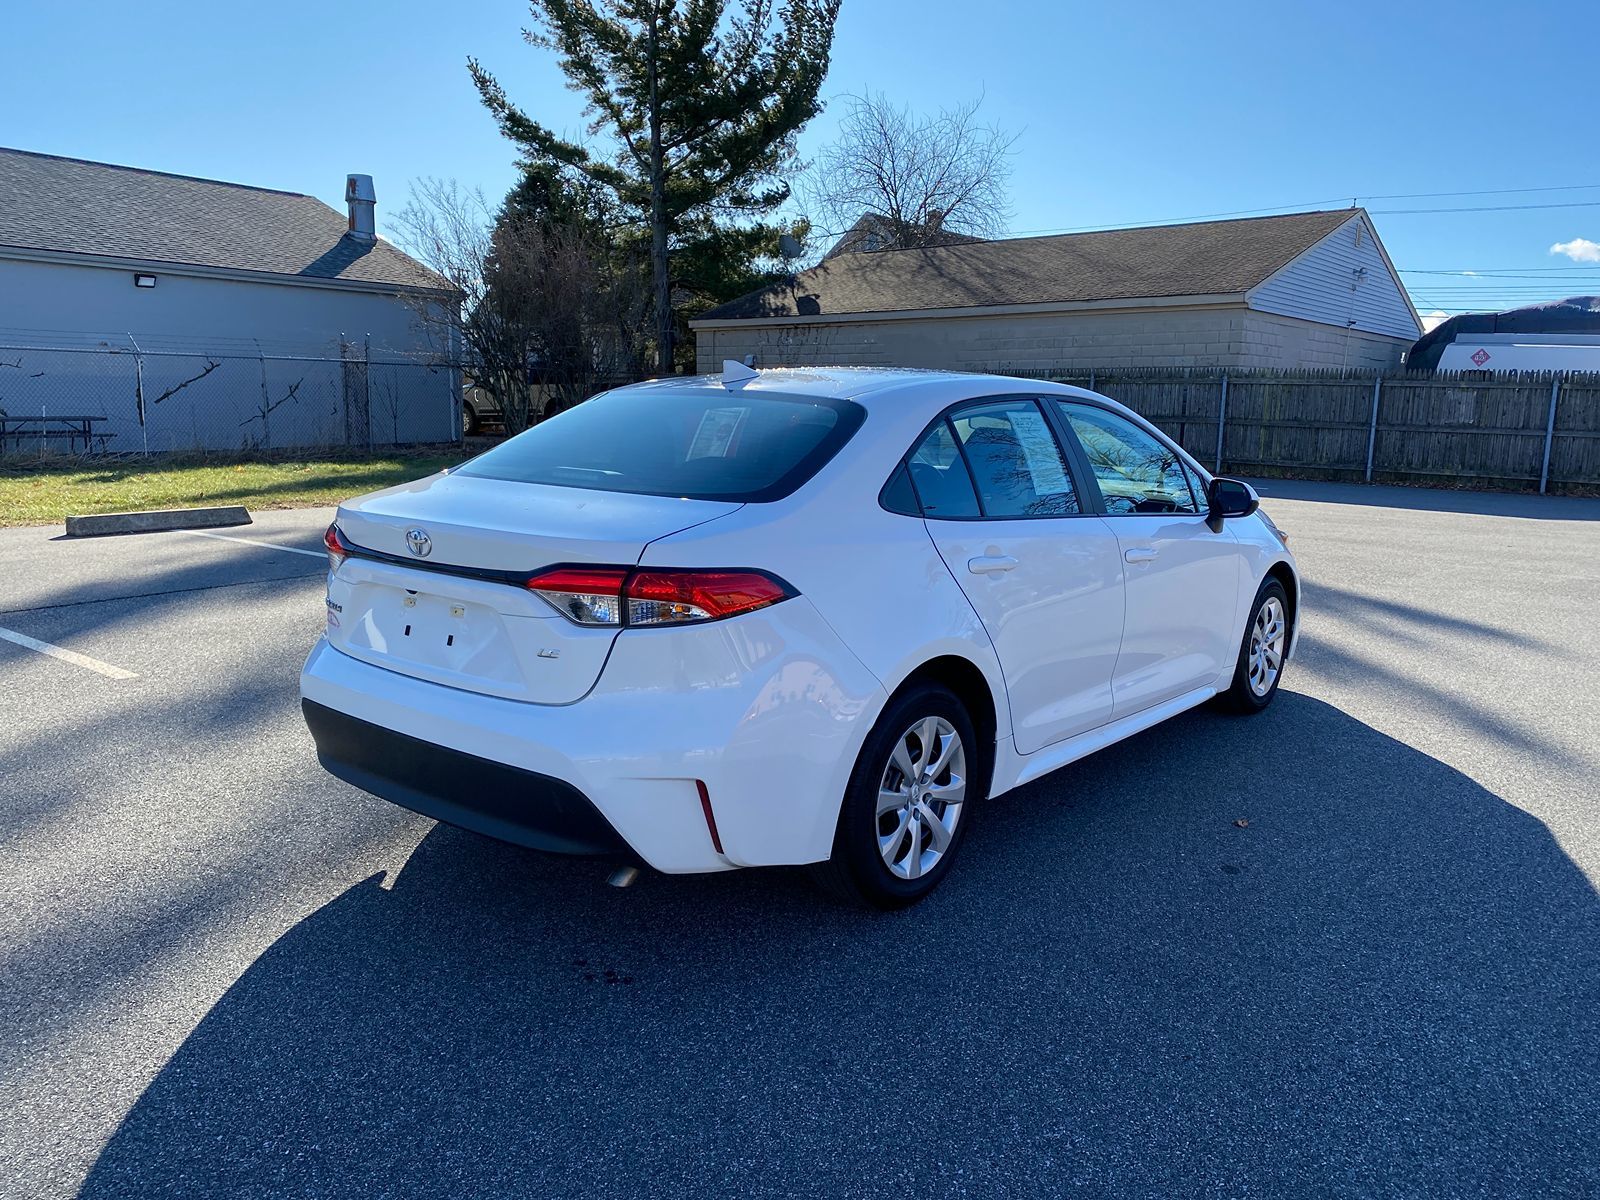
[419, 543]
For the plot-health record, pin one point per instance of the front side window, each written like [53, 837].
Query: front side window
[698, 444]
[1137, 473]
[1197, 485]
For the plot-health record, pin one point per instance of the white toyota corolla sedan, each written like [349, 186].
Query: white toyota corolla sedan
[789, 616]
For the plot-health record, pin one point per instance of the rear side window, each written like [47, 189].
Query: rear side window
[1015, 461]
[940, 476]
[994, 460]
[897, 495]
[699, 444]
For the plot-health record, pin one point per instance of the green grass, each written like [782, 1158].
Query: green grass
[39, 494]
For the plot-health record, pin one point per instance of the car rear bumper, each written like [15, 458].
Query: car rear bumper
[505, 802]
[763, 713]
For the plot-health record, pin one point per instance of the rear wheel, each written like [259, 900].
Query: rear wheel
[902, 819]
[469, 419]
[1259, 669]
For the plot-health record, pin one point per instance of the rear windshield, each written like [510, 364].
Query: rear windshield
[703, 445]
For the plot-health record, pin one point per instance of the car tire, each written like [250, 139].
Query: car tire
[1262, 651]
[891, 857]
[469, 419]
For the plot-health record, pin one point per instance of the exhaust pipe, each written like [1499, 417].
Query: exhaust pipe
[623, 877]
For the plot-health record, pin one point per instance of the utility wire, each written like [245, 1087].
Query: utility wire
[1390, 212]
[1509, 287]
[1565, 187]
[1488, 292]
[1502, 272]
[1338, 200]
[1243, 212]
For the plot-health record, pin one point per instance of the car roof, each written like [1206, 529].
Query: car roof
[887, 388]
[861, 384]
[901, 389]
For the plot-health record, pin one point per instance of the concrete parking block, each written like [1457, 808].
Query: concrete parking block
[99, 524]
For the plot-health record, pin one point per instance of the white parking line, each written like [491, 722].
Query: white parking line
[71, 656]
[228, 537]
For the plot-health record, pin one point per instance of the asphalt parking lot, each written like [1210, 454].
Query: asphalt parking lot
[227, 974]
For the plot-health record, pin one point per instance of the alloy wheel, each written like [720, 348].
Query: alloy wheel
[1267, 638]
[920, 797]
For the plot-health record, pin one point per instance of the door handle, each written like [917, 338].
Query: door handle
[1141, 554]
[991, 564]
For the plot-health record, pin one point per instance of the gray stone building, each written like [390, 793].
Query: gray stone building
[1311, 289]
[117, 283]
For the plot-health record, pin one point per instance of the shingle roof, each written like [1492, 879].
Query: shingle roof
[81, 207]
[1200, 259]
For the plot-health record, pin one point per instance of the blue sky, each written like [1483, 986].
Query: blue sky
[1127, 113]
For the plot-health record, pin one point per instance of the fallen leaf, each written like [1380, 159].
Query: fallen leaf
[1242, 823]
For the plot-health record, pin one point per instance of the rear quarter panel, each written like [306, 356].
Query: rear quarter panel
[874, 576]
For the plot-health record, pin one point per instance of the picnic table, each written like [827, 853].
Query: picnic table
[72, 429]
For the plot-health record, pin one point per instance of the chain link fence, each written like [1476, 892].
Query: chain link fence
[118, 397]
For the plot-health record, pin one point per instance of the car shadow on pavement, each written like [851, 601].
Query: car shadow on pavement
[1280, 956]
[1411, 622]
[1527, 504]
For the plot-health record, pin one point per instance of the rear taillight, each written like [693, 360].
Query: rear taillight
[655, 596]
[337, 550]
[585, 595]
[671, 597]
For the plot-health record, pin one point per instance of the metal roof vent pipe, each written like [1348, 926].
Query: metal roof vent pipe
[363, 202]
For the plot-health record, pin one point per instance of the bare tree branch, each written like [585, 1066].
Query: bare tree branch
[549, 310]
[266, 410]
[915, 180]
[178, 387]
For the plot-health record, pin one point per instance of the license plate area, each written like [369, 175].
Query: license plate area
[435, 629]
[460, 633]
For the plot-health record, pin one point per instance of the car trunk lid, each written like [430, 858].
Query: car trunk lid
[432, 589]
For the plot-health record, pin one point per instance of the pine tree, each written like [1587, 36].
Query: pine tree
[701, 104]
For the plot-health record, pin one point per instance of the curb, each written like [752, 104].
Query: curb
[153, 522]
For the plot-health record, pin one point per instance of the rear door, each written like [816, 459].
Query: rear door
[1182, 575]
[1043, 575]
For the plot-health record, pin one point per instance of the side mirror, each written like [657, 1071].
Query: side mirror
[1230, 498]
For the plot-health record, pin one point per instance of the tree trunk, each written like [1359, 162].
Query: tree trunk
[658, 221]
[516, 402]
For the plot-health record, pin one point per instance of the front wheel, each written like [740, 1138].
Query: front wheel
[469, 420]
[902, 817]
[1259, 669]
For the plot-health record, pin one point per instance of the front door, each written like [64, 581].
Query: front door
[1044, 576]
[1183, 577]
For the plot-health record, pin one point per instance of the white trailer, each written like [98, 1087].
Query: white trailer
[1522, 352]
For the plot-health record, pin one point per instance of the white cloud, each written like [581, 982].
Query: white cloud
[1431, 321]
[1578, 250]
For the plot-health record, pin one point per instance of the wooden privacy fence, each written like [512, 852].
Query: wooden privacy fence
[1474, 428]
